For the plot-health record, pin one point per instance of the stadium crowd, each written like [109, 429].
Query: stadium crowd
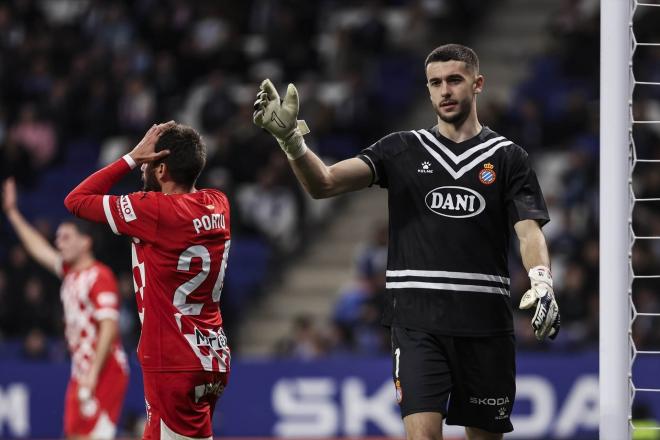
[80, 81]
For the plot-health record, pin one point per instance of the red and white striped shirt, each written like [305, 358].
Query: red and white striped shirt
[89, 296]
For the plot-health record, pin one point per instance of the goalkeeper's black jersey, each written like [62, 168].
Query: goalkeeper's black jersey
[451, 211]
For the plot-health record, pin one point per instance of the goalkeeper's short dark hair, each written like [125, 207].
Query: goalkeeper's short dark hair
[454, 52]
[187, 153]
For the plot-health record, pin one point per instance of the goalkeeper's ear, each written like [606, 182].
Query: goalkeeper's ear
[291, 99]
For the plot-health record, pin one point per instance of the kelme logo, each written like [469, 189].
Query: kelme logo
[455, 201]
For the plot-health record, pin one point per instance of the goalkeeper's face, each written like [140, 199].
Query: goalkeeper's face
[453, 88]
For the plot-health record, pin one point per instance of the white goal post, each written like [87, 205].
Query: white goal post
[618, 312]
[615, 213]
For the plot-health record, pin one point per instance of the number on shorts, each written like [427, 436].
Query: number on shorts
[397, 355]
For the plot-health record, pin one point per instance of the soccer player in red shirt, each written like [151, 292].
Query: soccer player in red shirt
[179, 256]
[99, 372]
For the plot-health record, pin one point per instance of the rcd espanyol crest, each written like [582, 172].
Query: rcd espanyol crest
[487, 174]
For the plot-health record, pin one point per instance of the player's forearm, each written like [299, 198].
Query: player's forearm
[314, 175]
[323, 181]
[86, 200]
[108, 330]
[36, 245]
[533, 249]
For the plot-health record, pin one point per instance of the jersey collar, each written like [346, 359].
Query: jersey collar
[481, 137]
[458, 158]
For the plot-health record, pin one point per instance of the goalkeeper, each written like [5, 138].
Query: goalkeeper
[457, 191]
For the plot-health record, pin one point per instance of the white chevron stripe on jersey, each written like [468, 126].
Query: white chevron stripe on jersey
[457, 174]
[446, 274]
[437, 157]
[483, 157]
[467, 153]
[446, 286]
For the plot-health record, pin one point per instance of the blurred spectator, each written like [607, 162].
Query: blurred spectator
[574, 305]
[218, 109]
[30, 305]
[34, 135]
[17, 162]
[136, 106]
[34, 310]
[338, 339]
[270, 206]
[305, 342]
[35, 345]
[359, 306]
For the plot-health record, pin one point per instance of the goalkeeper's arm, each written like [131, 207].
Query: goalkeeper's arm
[534, 253]
[533, 248]
[323, 181]
[279, 118]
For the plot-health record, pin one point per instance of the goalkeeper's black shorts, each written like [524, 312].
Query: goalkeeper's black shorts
[470, 380]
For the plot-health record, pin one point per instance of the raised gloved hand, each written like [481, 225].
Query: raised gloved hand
[546, 320]
[279, 118]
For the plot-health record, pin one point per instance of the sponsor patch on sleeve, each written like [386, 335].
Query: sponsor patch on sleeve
[107, 299]
[126, 209]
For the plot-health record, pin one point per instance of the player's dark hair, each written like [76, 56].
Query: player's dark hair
[187, 154]
[82, 226]
[454, 52]
[95, 231]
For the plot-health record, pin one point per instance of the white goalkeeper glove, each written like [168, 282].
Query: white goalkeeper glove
[279, 118]
[546, 320]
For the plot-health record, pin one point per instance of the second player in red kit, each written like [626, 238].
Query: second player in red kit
[181, 241]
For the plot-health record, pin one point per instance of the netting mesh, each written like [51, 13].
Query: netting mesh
[644, 216]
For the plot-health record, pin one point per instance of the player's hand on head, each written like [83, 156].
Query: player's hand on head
[546, 320]
[280, 117]
[9, 194]
[145, 150]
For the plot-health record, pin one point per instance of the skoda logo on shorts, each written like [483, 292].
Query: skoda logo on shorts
[455, 201]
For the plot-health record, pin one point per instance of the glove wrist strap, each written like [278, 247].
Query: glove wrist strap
[293, 145]
[540, 274]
